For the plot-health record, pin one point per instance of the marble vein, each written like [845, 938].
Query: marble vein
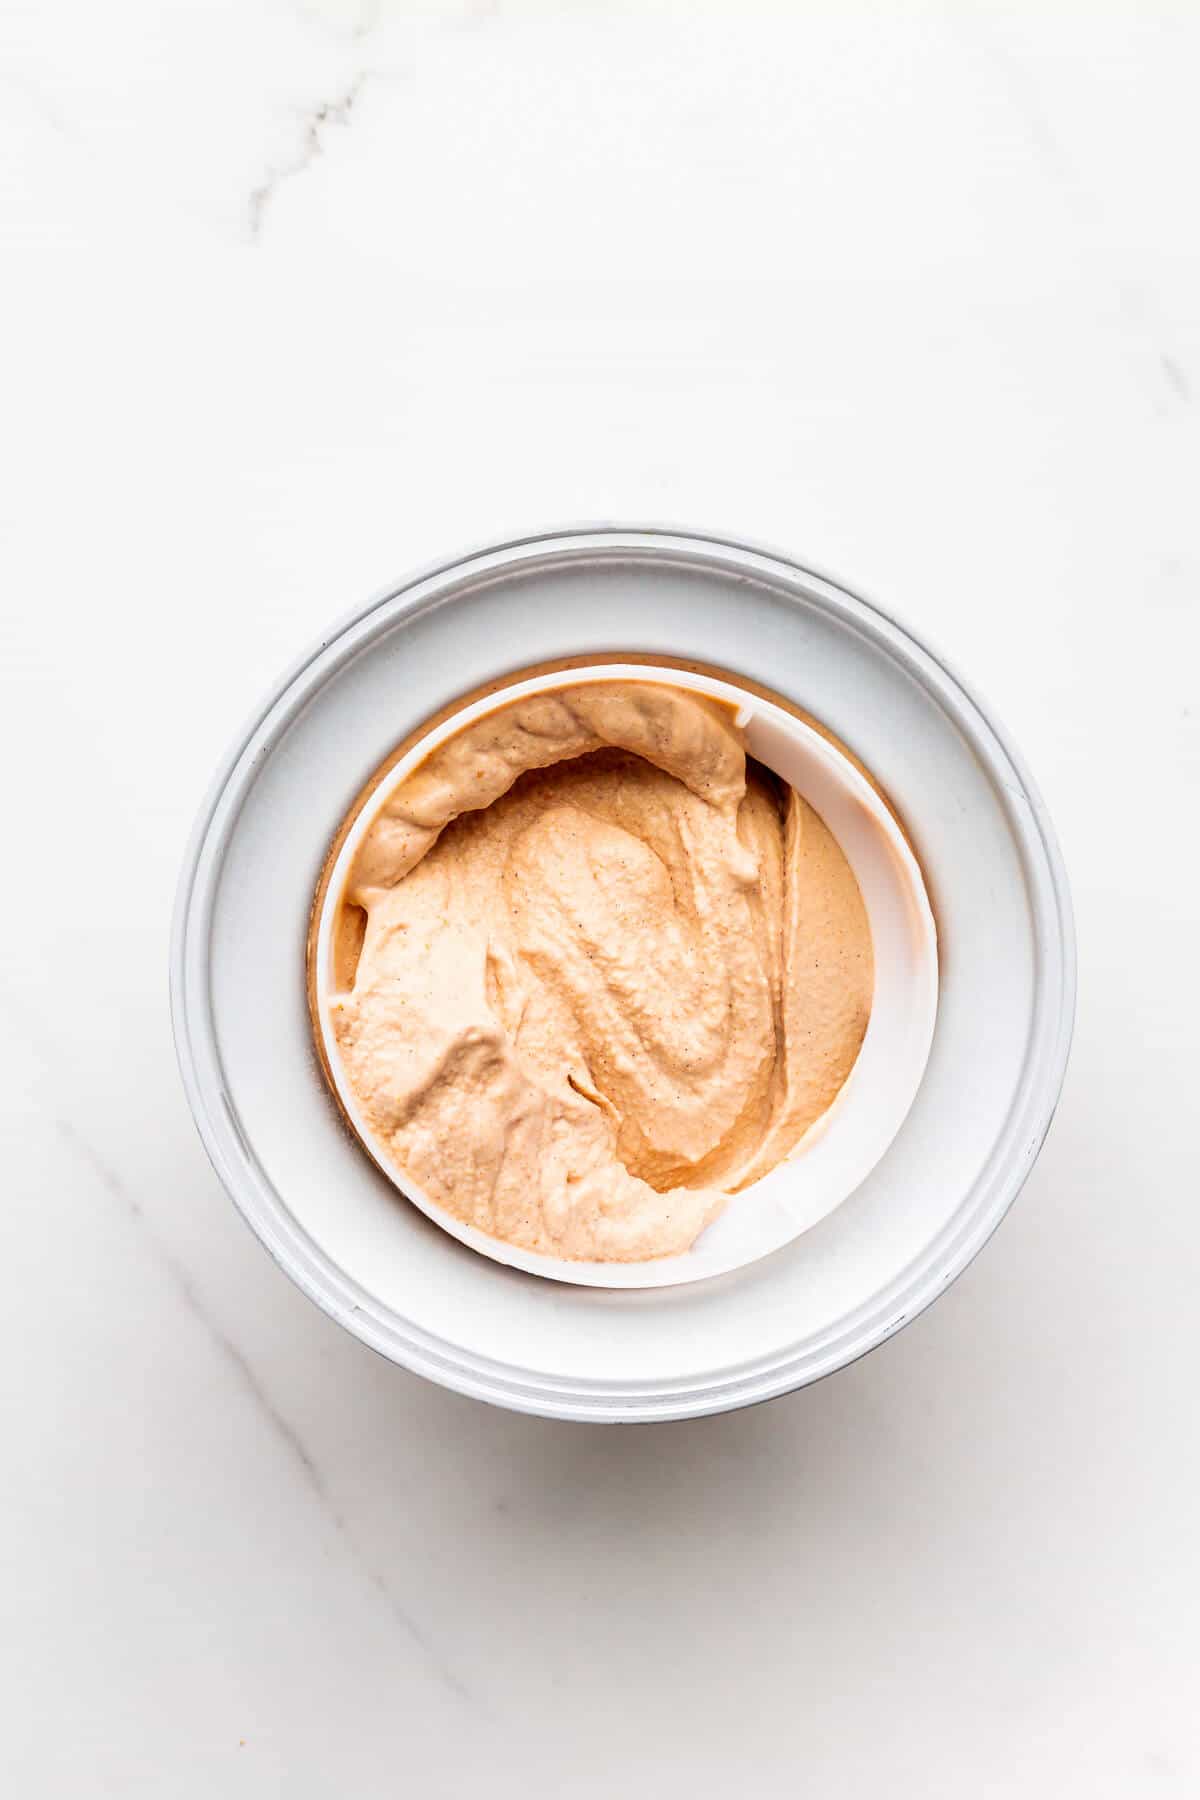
[313, 127]
[86, 1153]
[368, 19]
[39, 103]
[1176, 378]
[1138, 311]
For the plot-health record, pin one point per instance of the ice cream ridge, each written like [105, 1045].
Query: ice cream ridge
[611, 971]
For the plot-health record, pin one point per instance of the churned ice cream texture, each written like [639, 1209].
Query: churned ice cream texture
[609, 972]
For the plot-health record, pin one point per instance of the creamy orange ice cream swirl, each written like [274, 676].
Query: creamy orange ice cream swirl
[608, 974]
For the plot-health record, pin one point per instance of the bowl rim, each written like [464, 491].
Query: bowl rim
[962, 1237]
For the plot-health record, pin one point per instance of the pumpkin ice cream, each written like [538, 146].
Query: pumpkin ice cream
[610, 973]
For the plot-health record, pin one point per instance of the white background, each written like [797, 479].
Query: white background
[297, 296]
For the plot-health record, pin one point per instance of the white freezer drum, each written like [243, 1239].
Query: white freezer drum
[850, 1274]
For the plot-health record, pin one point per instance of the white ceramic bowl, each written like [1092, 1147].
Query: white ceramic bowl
[843, 1146]
[274, 1132]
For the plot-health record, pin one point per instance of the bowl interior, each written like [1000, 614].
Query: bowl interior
[843, 1146]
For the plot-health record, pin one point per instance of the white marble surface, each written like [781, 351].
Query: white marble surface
[296, 296]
